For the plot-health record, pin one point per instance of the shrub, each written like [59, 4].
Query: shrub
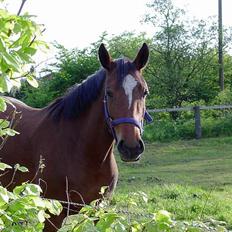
[100, 216]
[23, 209]
[166, 129]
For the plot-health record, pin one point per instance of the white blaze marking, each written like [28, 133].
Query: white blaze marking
[129, 84]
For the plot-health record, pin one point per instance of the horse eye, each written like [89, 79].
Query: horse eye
[145, 93]
[109, 93]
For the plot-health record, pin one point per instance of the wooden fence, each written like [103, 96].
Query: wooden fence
[197, 114]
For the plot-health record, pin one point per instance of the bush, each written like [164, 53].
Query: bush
[213, 124]
[23, 209]
[100, 216]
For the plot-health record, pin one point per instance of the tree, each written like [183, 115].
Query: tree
[220, 46]
[183, 65]
[20, 39]
[22, 209]
[75, 65]
[71, 68]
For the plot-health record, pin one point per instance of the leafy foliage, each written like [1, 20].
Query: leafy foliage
[100, 216]
[19, 41]
[214, 123]
[184, 59]
[23, 209]
[75, 65]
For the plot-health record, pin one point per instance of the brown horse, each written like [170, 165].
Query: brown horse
[75, 134]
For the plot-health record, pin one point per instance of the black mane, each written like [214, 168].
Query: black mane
[80, 96]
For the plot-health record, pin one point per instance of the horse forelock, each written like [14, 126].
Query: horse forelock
[124, 66]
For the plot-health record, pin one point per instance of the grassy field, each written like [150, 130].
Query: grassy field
[191, 179]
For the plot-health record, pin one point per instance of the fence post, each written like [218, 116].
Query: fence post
[197, 116]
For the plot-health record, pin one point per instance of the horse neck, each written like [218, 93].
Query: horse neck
[93, 131]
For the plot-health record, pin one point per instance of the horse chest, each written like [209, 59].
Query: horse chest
[92, 178]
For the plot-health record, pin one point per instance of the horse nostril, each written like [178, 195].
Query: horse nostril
[141, 146]
[121, 145]
[122, 148]
[131, 152]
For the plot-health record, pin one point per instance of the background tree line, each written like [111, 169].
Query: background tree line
[183, 66]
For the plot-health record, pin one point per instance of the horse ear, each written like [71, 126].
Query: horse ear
[104, 57]
[142, 57]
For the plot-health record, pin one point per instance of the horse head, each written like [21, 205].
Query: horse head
[124, 101]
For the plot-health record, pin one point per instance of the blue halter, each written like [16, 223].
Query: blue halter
[114, 122]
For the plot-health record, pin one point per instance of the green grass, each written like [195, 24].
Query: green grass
[190, 179]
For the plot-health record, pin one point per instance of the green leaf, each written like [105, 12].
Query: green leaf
[24, 57]
[32, 81]
[17, 28]
[12, 196]
[1, 223]
[19, 189]
[104, 189]
[38, 202]
[18, 205]
[163, 216]
[3, 84]
[87, 226]
[8, 218]
[4, 123]
[3, 105]
[32, 189]
[11, 61]
[73, 219]
[31, 51]
[106, 220]
[193, 229]
[10, 132]
[119, 227]
[4, 198]
[22, 169]
[41, 216]
[9, 25]
[4, 166]
[54, 206]
[2, 45]
[143, 196]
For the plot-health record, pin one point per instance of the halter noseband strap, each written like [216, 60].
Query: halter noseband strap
[114, 122]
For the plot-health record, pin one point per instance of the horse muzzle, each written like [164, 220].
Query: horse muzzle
[130, 154]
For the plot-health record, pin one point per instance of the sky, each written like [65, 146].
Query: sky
[77, 23]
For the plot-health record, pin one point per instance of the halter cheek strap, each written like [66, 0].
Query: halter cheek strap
[112, 123]
[147, 117]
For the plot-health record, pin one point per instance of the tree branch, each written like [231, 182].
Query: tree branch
[21, 7]
[32, 41]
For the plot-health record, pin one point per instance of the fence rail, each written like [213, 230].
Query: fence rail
[67, 204]
[197, 114]
[190, 108]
